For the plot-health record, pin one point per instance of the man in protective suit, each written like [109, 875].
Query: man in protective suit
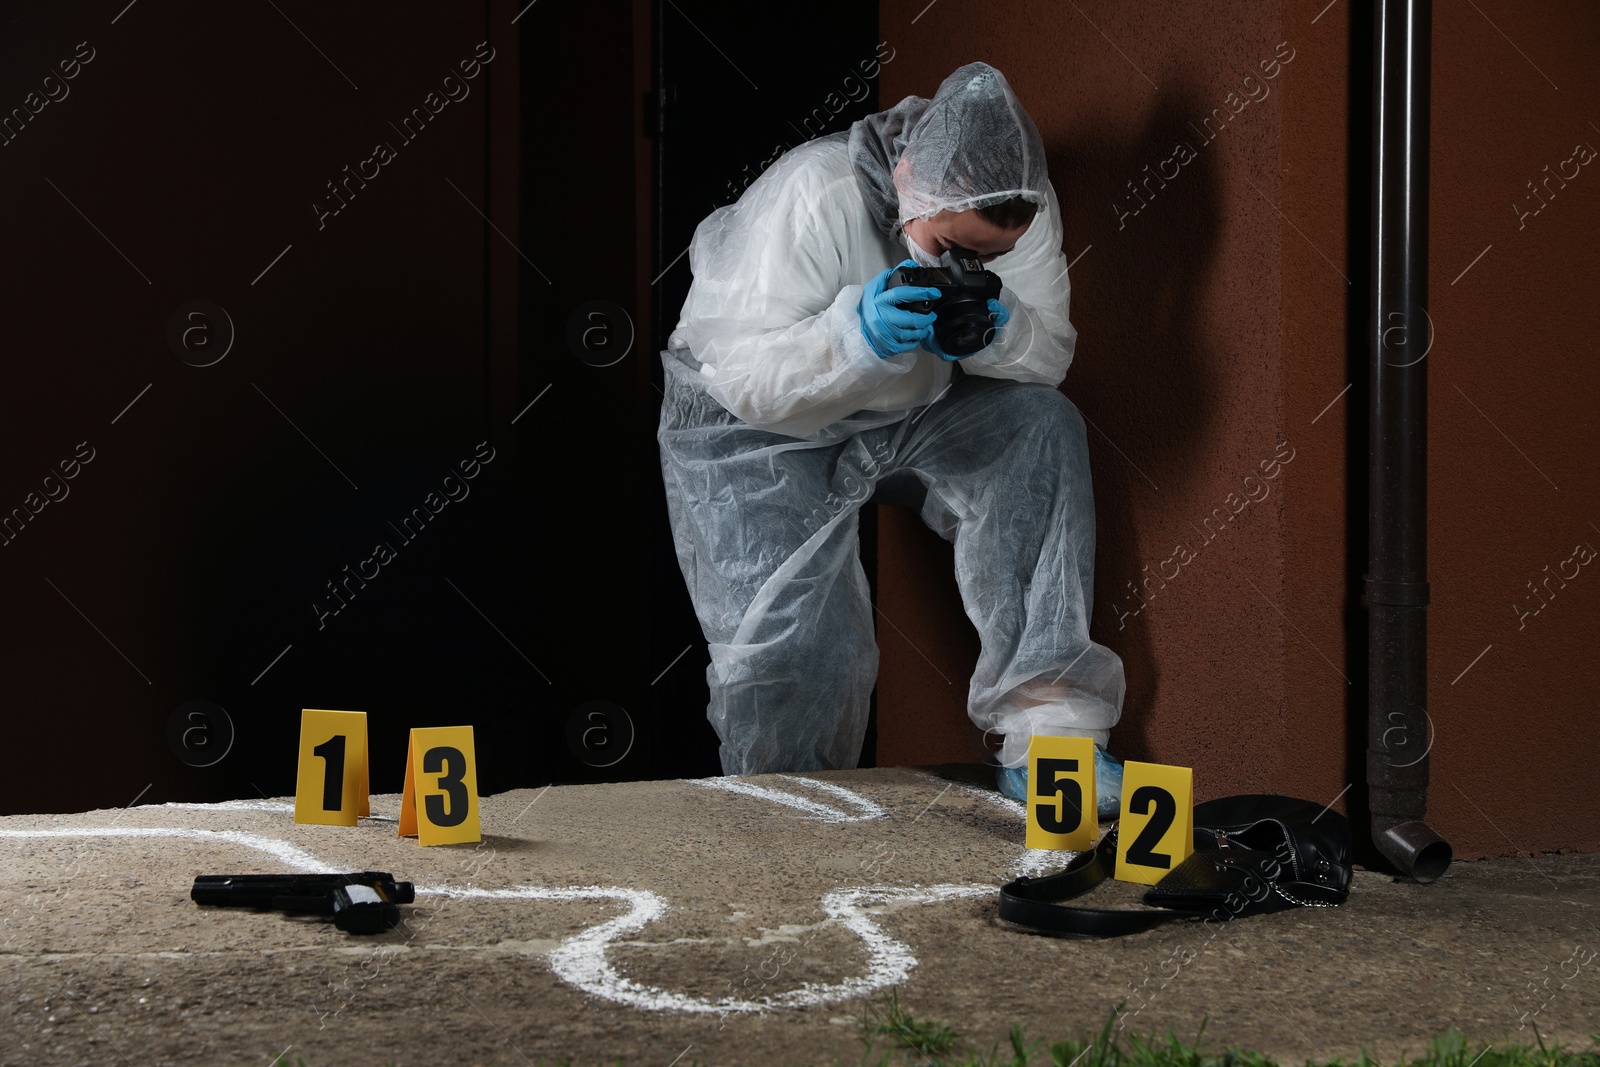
[799, 384]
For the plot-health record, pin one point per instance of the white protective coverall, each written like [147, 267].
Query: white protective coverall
[779, 421]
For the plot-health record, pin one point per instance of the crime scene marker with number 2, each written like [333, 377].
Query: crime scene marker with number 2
[1156, 830]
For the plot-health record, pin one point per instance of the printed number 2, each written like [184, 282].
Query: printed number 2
[332, 753]
[1158, 803]
[451, 783]
[1070, 791]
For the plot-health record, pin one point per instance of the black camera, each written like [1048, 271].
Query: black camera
[963, 324]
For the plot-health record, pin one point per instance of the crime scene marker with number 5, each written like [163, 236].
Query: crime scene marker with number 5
[1060, 805]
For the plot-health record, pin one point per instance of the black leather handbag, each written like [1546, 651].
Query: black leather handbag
[1252, 854]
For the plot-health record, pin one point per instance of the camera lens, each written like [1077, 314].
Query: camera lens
[964, 326]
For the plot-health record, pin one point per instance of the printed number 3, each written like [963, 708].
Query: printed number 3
[1071, 793]
[450, 784]
[1162, 809]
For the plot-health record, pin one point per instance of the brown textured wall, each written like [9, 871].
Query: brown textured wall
[1213, 328]
[1512, 471]
[1176, 371]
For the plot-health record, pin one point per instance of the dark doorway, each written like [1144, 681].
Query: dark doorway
[390, 323]
[731, 96]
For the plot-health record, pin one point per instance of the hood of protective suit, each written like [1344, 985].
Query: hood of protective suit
[970, 146]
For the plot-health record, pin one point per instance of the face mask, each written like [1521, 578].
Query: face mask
[923, 258]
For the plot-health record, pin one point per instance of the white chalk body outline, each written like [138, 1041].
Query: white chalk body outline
[581, 959]
[865, 809]
[1034, 861]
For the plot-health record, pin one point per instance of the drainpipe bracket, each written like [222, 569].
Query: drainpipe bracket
[1392, 593]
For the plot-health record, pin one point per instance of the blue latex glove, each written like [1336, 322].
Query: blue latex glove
[1001, 315]
[932, 345]
[889, 328]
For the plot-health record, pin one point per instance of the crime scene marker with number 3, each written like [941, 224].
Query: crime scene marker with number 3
[439, 804]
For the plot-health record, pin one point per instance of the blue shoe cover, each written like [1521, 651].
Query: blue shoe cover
[1013, 782]
[1107, 785]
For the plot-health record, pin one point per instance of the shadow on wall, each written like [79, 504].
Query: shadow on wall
[1358, 265]
[1148, 202]
[1142, 363]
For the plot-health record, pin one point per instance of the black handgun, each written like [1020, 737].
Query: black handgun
[360, 903]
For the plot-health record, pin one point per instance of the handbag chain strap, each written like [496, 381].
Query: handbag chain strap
[1291, 898]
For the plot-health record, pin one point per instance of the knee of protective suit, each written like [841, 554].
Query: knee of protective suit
[1048, 407]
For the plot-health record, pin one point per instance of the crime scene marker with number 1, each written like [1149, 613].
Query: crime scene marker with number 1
[331, 784]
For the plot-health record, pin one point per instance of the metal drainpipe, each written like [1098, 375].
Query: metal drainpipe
[1399, 736]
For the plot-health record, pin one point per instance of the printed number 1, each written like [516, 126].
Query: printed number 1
[332, 753]
[1050, 786]
[452, 784]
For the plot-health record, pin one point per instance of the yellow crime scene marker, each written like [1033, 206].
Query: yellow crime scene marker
[1060, 805]
[1156, 830]
[439, 803]
[331, 786]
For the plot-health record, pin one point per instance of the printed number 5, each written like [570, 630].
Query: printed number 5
[450, 784]
[1071, 793]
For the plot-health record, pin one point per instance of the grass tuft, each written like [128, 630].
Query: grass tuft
[894, 1037]
[932, 1045]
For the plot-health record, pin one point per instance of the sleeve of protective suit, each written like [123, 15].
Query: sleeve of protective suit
[1037, 344]
[771, 316]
